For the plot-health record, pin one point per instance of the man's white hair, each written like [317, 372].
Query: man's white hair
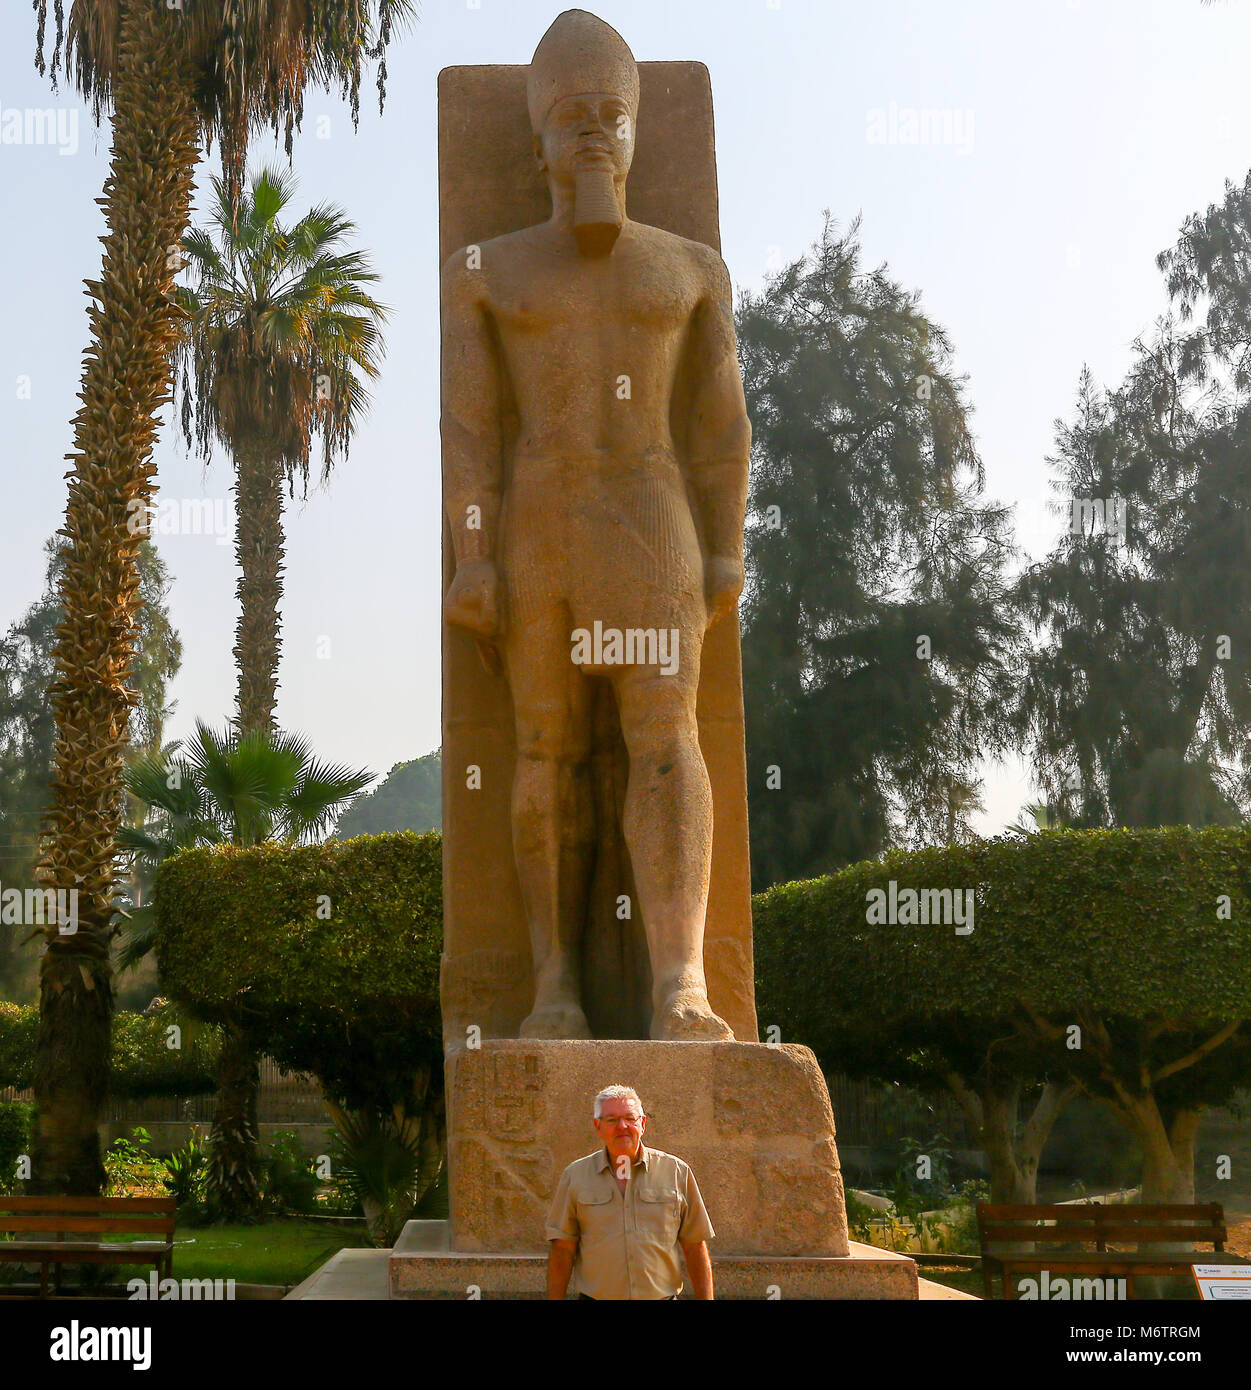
[617, 1093]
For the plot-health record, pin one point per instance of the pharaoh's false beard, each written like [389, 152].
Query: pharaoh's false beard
[596, 212]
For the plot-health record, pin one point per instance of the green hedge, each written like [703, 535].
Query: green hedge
[149, 1059]
[16, 1120]
[1118, 924]
[19, 1023]
[1120, 921]
[143, 1062]
[328, 955]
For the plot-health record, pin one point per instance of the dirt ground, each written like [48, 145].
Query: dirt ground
[1239, 1224]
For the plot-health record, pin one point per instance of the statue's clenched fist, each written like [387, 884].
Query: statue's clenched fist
[473, 601]
[723, 582]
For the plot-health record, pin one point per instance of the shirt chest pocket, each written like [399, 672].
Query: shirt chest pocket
[657, 1214]
[597, 1217]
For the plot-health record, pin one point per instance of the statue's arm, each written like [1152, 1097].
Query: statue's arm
[470, 427]
[719, 438]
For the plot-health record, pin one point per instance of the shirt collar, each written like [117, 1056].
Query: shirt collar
[601, 1158]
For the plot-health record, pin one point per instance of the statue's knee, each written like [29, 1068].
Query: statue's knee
[657, 724]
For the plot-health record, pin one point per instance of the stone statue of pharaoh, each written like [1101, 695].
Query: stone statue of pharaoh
[590, 543]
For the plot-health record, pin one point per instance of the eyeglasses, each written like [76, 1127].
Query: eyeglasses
[630, 1120]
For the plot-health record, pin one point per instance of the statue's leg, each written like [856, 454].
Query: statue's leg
[553, 816]
[668, 829]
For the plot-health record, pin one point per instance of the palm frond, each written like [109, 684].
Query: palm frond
[137, 937]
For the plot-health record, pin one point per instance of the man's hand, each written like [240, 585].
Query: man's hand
[699, 1267]
[560, 1255]
[473, 600]
[723, 582]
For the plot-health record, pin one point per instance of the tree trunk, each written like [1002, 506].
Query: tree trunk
[235, 1180]
[1168, 1168]
[234, 1149]
[1051, 1104]
[1011, 1181]
[126, 379]
[995, 1112]
[258, 550]
[1168, 1174]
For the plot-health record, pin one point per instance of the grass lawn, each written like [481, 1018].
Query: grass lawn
[966, 1280]
[282, 1251]
[277, 1252]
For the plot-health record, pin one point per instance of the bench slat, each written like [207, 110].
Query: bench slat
[1176, 1233]
[1084, 1259]
[89, 1255]
[76, 1204]
[994, 1235]
[1096, 1211]
[137, 1225]
[10, 1250]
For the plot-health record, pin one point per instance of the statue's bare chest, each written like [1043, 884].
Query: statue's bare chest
[629, 294]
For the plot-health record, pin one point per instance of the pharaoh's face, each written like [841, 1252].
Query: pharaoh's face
[594, 131]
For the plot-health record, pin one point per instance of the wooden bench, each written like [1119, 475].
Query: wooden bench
[56, 1231]
[1074, 1225]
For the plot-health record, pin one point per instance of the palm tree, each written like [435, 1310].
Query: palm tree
[172, 76]
[1036, 816]
[280, 331]
[240, 789]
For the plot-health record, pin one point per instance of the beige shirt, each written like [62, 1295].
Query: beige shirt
[629, 1244]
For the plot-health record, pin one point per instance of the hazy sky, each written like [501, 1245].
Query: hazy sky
[1076, 136]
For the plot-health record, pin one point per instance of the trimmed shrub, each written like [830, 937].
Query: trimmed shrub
[1123, 922]
[19, 1024]
[16, 1120]
[145, 1061]
[163, 1053]
[328, 955]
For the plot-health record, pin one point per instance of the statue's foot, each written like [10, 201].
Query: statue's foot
[686, 1016]
[556, 1020]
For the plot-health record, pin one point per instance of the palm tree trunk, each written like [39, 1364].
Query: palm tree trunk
[258, 550]
[234, 1175]
[234, 1148]
[126, 379]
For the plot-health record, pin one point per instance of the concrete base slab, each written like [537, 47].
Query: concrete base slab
[366, 1275]
[423, 1265]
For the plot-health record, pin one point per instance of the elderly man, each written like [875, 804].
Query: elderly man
[621, 1214]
